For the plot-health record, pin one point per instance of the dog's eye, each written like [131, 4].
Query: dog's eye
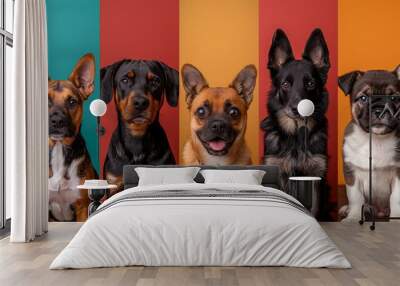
[201, 112]
[72, 102]
[155, 82]
[234, 112]
[285, 84]
[311, 84]
[124, 80]
[364, 98]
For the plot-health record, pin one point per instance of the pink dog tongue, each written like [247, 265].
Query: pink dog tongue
[217, 145]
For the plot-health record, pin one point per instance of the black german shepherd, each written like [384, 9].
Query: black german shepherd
[292, 81]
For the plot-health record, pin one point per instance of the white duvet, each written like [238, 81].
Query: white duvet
[200, 231]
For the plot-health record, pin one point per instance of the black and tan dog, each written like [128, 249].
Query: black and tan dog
[69, 161]
[384, 85]
[138, 88]
[292, 81]
[218, 118]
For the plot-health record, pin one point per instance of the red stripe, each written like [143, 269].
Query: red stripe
[139, 29]
[298, 19]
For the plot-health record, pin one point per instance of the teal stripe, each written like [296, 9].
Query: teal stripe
[74, 30]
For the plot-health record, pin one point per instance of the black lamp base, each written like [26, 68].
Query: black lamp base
[368, 213]
[95, 196]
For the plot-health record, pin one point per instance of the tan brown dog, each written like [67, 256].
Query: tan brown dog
[69, 161]
[218, 118]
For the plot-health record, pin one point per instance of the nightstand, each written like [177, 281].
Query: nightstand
[96, 193]
[306, 190]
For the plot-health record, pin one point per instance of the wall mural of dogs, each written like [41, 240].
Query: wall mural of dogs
[385, 143]
[138, 88]
[218, 118]
[292, 81]
[69, 160]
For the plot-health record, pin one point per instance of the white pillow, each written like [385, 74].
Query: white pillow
[248, 177]
[164, 176]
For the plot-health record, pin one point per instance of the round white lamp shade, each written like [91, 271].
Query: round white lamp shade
[98, 107]
[305, 107]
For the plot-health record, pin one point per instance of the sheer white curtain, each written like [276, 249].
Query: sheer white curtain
[27, 123]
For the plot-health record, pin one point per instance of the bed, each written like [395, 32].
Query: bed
[199, 224]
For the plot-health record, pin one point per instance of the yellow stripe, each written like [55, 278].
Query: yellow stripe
[219, 38]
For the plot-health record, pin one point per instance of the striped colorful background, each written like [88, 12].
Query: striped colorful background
[220, 37]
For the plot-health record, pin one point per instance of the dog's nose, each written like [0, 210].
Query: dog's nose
[57, 121]
[218, 126]
[140, 103]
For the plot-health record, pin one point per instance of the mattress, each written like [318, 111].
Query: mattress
[201, 225]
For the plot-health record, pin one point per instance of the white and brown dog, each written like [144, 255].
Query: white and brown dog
[385, 143]
[69, 161]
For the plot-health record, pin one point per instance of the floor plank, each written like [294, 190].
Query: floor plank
[375, 257]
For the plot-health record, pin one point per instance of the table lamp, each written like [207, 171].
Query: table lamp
[98, 108]
[305, 108]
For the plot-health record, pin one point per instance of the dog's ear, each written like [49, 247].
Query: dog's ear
[316, 51]
[347, 81]
[83, 75]
[245, 82]
[107, 81]
[193, 82]
[280, 52]
[397, 72]
[171, 84]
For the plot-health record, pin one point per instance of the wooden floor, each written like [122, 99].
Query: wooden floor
[375, 257]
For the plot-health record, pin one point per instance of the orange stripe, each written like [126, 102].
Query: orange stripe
[368, 39]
